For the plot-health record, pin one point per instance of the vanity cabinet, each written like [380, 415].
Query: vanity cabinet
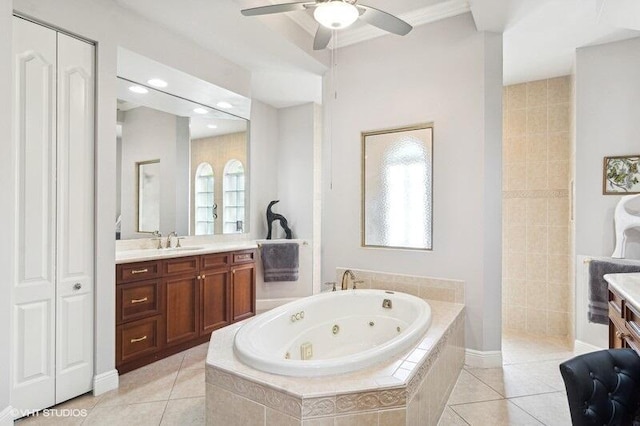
[215, 289]
[166, 306]
[624, 323]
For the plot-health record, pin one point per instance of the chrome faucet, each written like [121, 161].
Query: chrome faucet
[345, 282]
[158, 236]
[171, 234]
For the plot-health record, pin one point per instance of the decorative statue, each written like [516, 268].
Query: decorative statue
[271, 217]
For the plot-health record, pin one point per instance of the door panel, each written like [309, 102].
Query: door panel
[215, 294]
[182, 309]
[243, 284]
[75, 218]
[34, 116]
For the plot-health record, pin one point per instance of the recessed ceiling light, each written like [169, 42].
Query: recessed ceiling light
[138, 89]
[212, 126]
[200, 111]
[156, 82]
[224, 104]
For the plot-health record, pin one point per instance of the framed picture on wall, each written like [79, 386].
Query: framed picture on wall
[621, 175]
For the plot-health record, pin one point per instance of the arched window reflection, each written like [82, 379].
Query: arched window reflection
[233, 189]
[206, 213]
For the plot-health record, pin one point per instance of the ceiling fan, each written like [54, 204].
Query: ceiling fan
[335, 15]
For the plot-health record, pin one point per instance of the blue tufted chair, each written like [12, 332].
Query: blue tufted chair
[603, 387]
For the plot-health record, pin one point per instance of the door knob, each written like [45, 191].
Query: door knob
[77, 286]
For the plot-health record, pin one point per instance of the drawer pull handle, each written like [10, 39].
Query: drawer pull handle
[621, 335]
[139, 271]
[144, 299]
[139, 339]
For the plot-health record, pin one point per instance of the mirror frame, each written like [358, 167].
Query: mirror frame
[427, 139]
[246, 164]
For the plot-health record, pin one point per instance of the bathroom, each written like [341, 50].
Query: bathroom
[318, 182]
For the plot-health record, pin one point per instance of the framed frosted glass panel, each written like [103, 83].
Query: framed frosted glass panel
[148, 195]
[397, 176]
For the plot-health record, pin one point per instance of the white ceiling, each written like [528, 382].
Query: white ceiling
[540, 36]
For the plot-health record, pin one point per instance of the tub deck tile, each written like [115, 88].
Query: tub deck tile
[384, 386]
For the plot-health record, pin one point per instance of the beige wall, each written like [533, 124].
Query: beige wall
[536, 169]
[217, 151]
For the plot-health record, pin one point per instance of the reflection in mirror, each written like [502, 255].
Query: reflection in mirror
[397, 187]
[148, 195]
[200, 169]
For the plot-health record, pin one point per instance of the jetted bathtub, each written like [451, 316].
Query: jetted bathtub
[333, 333]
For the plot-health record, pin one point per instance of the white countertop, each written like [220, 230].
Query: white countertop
[141, 255]
[627, 285]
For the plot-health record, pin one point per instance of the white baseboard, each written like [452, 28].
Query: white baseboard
[483, 359]
[6, 416]
[105, 382]
[580, 347]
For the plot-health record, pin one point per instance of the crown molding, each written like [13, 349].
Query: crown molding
[425, 15]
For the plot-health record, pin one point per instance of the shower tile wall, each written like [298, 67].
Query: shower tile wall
[536, 175]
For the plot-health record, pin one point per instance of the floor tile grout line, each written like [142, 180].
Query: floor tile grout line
[164, 410]
[507, 397]
[473, 402]
[459, 415]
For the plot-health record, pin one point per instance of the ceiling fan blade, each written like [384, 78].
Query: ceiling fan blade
[276, 8]
[322, 38]
[384, 21]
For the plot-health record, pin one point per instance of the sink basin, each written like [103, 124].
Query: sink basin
[191, 248]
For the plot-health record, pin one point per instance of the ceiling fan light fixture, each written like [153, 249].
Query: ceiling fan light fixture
[336, 14]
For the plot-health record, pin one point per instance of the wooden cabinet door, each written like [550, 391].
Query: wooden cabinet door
[182, 308]
[215, 299]
[243, 291]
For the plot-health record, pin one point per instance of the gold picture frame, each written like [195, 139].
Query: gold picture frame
[397, 188]
[621, 175]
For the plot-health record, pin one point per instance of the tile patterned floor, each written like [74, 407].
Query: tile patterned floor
[527, 390]
[167, 392]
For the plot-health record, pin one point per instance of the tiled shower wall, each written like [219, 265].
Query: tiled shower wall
[537, 296]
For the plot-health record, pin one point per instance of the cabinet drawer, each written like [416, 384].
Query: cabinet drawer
[138, 300]
[244, 256]
[138, 338]
[127, 272]
[180, 265]
[214, 261]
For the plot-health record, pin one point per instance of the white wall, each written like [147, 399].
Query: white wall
[7, 189]
[607, 96]
[282, 152]
[295, 169]
[110, 26]
[607, 124]
[449, 74]
[263, 160]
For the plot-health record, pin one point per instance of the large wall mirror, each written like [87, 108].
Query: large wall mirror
[182, 165]
[397, 176]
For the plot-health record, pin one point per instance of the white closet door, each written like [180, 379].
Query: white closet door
[34, 114]
[75, 224]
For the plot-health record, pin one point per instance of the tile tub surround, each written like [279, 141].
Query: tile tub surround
[444, 290]
[408, 390]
